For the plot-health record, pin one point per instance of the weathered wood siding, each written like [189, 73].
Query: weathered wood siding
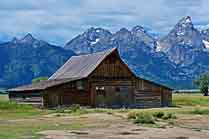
[67, 94]
[111, 83]
[147, 94]
[166, 97]
[29, 97]
[112, 68]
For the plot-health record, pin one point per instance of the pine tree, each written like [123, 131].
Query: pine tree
[202, 83]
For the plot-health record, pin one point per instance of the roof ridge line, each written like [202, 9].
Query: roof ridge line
[105, 51]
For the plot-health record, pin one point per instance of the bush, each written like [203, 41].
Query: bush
[132, 115]
[158, 114]
[60, 110]
[75, 107]
[144, 118]
[39, 79]
[169, 116]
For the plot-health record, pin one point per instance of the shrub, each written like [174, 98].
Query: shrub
[144, 118]
[75, 107]
[158, 114]
[60, 110]
[132, 115]
[39, 79]
[169, 116]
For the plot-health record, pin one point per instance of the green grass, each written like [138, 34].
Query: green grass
[191, 104]
[200, 111]
[144, 118]
[21, 129]
[3, 97]
[3, 92]
[18, 121]
[149, 117]
[12, 110]
[190, 100]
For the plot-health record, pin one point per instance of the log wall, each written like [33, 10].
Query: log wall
[148, 94]
[67, 94]
[29, 97]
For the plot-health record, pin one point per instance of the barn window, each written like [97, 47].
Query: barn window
[80, 85]
[100, 90]
[122, 89]
[23, 97]
[117, 89]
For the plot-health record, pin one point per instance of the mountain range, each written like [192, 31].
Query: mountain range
[28, 58]
[174, 60]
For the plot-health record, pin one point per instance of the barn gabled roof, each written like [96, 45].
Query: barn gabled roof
[81, 66]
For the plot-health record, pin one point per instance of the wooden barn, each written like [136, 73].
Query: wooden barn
[98, 80]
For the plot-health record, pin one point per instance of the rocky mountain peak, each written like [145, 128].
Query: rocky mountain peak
[15, 40]
[205, 34]
[184, 27]
[93, 33]
[182, 41]
[138, 29]
[123, 30]
[185, 21]
[28, 39]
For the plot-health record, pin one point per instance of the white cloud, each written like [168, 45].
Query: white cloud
[59, 20]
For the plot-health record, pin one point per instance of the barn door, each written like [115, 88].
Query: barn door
[112, 96]
[164, 98]
[53, 100]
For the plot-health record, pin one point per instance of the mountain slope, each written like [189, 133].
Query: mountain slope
[175, 60]
[27, 58]
[136, 47]
[182, 42]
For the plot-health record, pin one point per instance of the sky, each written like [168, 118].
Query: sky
[58, 21]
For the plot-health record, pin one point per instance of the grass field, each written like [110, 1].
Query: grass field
[24, 121]
[3, 97]
[190, 100]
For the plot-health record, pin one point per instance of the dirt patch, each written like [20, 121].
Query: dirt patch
[194, 122]
[119, 128]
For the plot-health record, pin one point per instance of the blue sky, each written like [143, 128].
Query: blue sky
[58, 21]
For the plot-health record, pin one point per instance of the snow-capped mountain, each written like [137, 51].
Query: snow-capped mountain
[98, 39]
[89, 41]
[180, 56]
[175, 59]
[182, 41]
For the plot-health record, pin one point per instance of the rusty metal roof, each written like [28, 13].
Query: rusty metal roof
[81, 66]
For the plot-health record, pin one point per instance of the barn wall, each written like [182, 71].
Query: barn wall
[112, 93]
[111, 83]
[167, 97]
[67, 94]
[27, 97]
[148, 94]
[112, 68]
